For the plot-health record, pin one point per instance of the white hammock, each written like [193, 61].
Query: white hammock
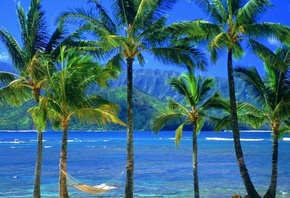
[101, 188]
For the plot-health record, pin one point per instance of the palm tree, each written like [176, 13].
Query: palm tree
[28, 62]
[232, 23]
[66, 97]
[32, 60]
[273, 97]
[197, 102]
[137, 27]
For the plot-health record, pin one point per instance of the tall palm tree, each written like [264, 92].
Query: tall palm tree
[26, 60]
[232, 23]
[273, 97]
[33, 61]
[66, 97]
[136, 26]
[197, 102]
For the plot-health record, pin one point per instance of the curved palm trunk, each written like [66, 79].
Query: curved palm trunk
[194, 162]
[38, 163]
[63, 193]
[271, 193]
[236, 132]
[130, 147]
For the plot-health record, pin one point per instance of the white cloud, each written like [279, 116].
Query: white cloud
[4, 56]
[274, 41]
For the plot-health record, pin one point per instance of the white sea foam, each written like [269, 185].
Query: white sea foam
[231, 139]
[219, 139]
[286, 139]
[47, 146]
[252, 140]
[75, 140]
[16, 141]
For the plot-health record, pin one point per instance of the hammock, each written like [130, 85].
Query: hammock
[87, 188]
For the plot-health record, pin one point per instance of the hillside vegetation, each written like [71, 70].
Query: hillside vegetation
[150, 92]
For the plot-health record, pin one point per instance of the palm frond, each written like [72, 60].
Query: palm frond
[56, 38]
[164, 118]
[114, 41]
[154, 33]
[6, 77]
[185, 56]
[173, 105]
[215, 10]
[14, 96]
[125, 11]
[234, 6]
[252, 79]
[267, 55]
[205, 86]
[178, 134]
[105, 17]
[101, 115]
[193, 31]
[282, 109]
[22, 18]
[36, 27]
[39, 117]
[248, 14]
[217, 45]
[145, 8]
[252, 120]
[116, 62]
[221, 41]
[215, 102]
[87, 19]
[13, 48]
[238, 51]
[181, 86]
[268, 30]
[199, 125]
[283, 131]
[223, 123]
[36, 68]
[284, 53]
[251, 115]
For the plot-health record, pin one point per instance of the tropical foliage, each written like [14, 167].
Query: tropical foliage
[66, 97]
[54, 73]
[197, 102]
[136, 27]
[273, 95]
[28, 61]
[233, 25]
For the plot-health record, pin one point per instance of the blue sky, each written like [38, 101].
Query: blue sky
[184, 10]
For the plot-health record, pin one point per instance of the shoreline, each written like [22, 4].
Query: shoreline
[104, 131]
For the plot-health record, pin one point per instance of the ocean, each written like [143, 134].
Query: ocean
[161, 169]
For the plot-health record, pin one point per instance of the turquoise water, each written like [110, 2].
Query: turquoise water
[161, 169]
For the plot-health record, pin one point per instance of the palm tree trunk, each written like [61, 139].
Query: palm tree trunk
[38, 164]
[236, 132]
[63, 193]
[130, 147]
[194, 163]
[271, 193]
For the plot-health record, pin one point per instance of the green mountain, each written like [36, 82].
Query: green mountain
[150, 92]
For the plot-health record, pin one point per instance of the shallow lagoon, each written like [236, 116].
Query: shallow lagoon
[161, 169]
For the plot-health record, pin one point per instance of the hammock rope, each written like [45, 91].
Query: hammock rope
[101, 188]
